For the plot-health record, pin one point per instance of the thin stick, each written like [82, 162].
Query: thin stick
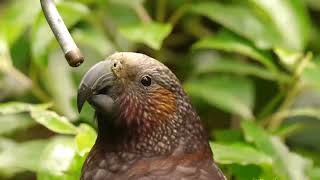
[71, 51]
[142, 13]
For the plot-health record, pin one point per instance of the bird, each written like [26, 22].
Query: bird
[146, 126]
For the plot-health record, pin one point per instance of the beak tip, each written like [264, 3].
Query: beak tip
[79, 104]
[79, 108]
[83, 95]
[90, 82]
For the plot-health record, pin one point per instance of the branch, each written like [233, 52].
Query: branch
[71, 51]
[142, 13]
[179, 13]
[276, 120]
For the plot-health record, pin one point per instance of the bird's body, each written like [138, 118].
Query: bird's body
[103, 165]
[148, 129]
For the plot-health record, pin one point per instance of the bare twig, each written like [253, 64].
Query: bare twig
[142, 13]
[71, 51]
[161, 10]
[179, 13]
[276, 120]
[310, 112]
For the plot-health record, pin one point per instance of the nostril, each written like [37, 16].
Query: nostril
[116, 68]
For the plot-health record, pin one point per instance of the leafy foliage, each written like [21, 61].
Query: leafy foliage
[152, 34]
[239, 153]
[233, 95]
[250, 67]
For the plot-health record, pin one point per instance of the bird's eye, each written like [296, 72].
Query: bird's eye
[146, 80]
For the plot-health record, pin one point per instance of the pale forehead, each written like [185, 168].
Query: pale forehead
[131, 59]
[136, 63]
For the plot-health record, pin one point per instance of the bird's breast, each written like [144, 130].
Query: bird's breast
[124, 166]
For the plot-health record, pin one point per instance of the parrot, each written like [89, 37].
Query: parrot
[146, 126]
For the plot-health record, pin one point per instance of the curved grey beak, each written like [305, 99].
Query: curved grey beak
[94, 87]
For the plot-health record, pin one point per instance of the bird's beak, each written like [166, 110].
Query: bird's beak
[94, 87]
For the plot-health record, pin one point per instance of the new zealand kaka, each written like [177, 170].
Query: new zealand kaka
[147, 128]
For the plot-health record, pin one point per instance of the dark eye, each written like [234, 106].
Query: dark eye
[146, 80]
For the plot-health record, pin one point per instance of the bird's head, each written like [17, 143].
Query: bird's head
[135, 88]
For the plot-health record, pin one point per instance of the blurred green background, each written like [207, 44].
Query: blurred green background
[251, 67]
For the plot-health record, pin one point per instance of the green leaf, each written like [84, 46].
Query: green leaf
[127, 2]
[232, 43]
[313, 4]
[57, 79]
[121, 16]
[85, 139]
[42, 36]
[246, 172]
[314, 173]
[258, 136]
[18, 107]
[60, 161]
[54, 122]
[95, 39]
[287, 165]
[14, 123]
[21, 157]
[92, 2]
[311, 75]
[227, 135]
[291, 20]
[5, 58]
[288, 58]
[17, 17]
[239, 153]
[151, 34]
[289, 129]
[238, 67]
[6, 143]
[240, 19]
[234, 95]
[12, 82]
[263, 142]
[296, 165]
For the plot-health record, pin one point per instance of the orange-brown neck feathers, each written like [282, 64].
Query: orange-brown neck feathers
[156, 106]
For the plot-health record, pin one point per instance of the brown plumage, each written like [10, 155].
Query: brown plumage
[147, 128]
